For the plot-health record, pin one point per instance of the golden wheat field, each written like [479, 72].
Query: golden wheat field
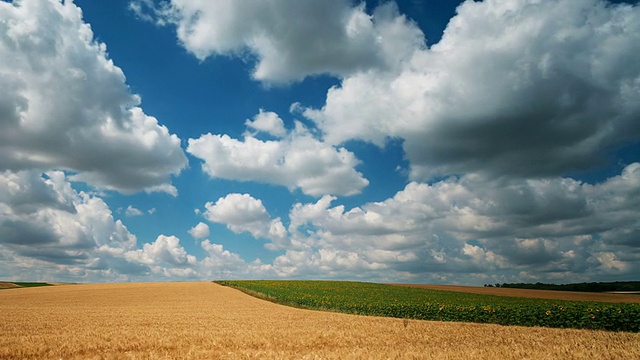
[204, 320]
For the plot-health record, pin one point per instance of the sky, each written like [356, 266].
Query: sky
[457, 142]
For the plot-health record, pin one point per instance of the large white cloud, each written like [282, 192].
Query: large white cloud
[454, 230]
[558, 228]
[164, 250]
[223, 264]
[290, 39]
[51, 232]
[520, 87]
[462, 229]
[65, 105]
[47, 223]
[298, 160]
[243, 213]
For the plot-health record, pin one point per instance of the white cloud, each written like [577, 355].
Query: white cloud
[51, 232]
[164, 250]
[132, 211]
[243, 213]
[200, 231]
[222, 263]
[455, 228]
[240, 212]
[326, 264]
[466, 225]
[333, 36]
[48, 225]
[609, 262]
[296, 161]
[518, 88]
[268, 122]
[59, 84]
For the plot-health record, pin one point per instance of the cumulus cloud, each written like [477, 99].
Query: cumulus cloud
[59, 84]
[563, 227]
[222, 263]
[518, 88]
[268, 122]
[298, 160]
[451, 230]
[164, 250]
[334, 37]
[200, 231]
[47, 222]
[328, 264]
[243, 213]
[51, 232]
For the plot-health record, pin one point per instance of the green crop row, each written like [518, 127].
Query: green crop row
[30, 284]
[425, 304]
[21, 284]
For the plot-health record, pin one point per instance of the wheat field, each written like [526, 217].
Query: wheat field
[203, 320]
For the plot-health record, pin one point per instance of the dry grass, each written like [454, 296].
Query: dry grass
[205, 320]
[536, 294]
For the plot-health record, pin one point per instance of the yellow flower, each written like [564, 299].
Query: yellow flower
[592, 316]
[548, 312]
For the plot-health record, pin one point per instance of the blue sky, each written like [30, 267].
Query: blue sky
[410, 141]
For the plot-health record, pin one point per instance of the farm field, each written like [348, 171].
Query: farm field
[429, 304]
[8, 285]
[535, 294]
[11, 285]
[205, 320]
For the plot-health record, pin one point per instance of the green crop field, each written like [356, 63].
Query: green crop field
[30, 284]
[425, 304]
[20, 284]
